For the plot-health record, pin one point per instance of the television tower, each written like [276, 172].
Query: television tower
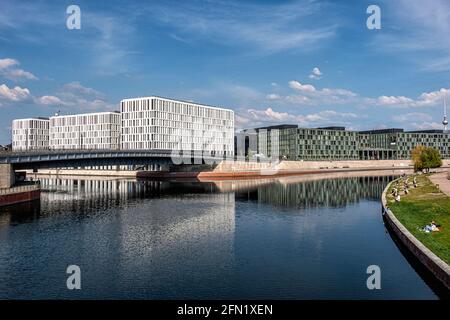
[445, 121]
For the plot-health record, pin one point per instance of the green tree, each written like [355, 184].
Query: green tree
[425, 158]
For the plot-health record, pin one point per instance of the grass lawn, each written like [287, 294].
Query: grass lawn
[418, 208]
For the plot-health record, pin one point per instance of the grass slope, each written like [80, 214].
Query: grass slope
[417, 209]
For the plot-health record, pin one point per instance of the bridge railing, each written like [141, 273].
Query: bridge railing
[22, 188]
[6, 153]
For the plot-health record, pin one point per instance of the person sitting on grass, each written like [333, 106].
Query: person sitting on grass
[397, 199]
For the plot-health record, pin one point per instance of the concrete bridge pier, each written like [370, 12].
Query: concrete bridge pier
[7, 176]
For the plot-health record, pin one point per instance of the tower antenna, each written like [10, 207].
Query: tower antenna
[445, 121]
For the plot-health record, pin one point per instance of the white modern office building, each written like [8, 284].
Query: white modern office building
[166, 124]
[99, 130]
[30, 134]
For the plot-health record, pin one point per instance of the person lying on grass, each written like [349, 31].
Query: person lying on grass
[432, 227]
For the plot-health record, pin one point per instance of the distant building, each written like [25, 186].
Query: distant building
[335, 143]
[165, 124]
[30, 134]
[99, 130]
[397, 144]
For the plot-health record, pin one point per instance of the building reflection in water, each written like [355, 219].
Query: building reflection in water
[146, 235]
[168, 239]
[338, 192]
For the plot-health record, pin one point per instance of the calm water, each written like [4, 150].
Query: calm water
[291, 238]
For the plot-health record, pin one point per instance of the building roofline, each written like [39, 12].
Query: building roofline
[32, 118]
[388, 130]
[428, 131]
[177, 100]
[85, 114]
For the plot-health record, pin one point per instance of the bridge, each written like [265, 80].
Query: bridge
[154, 160]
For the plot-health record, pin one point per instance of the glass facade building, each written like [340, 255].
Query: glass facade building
[289, 142]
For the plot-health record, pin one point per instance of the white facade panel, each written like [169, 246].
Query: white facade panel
[166, 124]
[85, 131]
[30, 134]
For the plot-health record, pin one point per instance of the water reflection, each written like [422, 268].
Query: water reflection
[329, 193]
[206, 240]
[294, 192]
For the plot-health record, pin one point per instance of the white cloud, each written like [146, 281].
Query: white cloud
[50, 101]
[320, 106]
[17, 74]
[426, 99]
[412, 117]
[273, 96]
[310, 95]
[301, 87]
[418, 31]
[426, 125]
[8, 72]
[315, 73]
[13, 94]
[269, 28]
[269, 116]
[8, 62]
[76, 89]
[75, 96]
[394, 100]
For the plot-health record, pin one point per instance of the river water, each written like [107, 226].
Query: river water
[309, 237]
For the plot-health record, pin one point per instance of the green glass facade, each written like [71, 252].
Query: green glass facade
[335, 143]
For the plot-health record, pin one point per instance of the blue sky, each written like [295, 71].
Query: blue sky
[313, 63]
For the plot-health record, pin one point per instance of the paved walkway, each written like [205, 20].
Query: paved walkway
[441, 179]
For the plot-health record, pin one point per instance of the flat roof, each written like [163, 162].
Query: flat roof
[375, 131]
[32, 118]
[175, 100]
[333, 128]
[84, 114]
[279, 126]
[294, 126]
[427, 131]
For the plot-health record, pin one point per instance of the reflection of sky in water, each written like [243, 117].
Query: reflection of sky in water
[273, 238]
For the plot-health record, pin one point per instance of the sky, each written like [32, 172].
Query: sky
[305, 62]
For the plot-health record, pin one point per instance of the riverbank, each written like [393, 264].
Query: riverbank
[232, 170]
[19, 194]
[416, 209]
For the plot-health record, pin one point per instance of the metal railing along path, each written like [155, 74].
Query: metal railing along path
[17, 189]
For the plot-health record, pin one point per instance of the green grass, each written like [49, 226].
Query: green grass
[417, 209]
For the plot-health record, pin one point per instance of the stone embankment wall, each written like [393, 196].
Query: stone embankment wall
[432, 262]
[19, 194]
[230, 166]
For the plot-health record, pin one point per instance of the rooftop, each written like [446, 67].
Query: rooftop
[176, 100]
[32, 118]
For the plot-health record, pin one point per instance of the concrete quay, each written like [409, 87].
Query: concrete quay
[19, 194]
[228, 170]
[439, 268]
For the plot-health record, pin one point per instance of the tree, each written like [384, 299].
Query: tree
[425, 158]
